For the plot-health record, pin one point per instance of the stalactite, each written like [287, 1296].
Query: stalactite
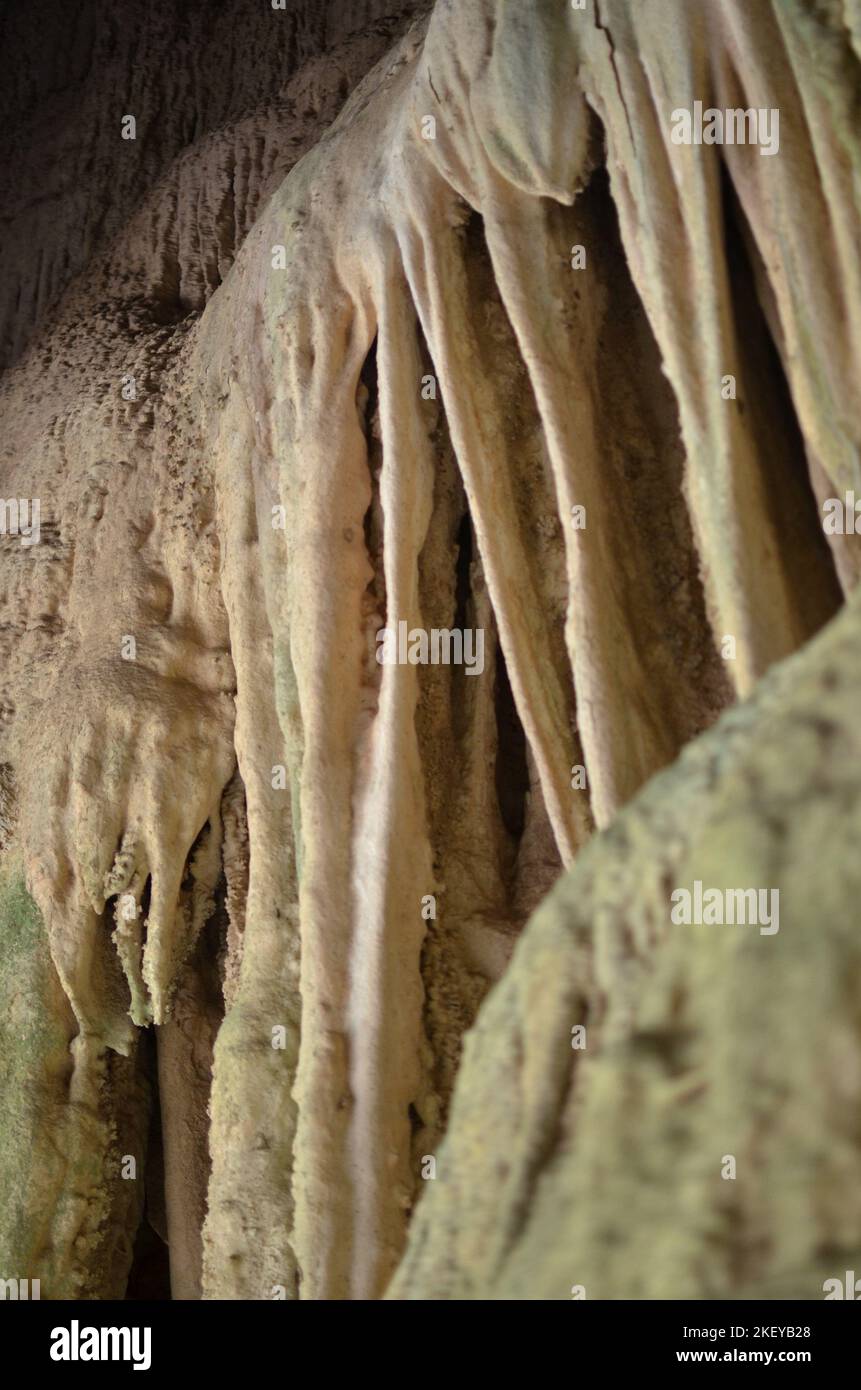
[372, 388]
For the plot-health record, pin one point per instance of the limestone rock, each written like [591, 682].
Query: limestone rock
[599, 1158]
[323, 357]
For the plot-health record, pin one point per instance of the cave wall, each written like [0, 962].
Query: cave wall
[625, 1062]
[370, 386]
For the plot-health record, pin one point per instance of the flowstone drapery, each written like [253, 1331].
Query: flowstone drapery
[464, 367]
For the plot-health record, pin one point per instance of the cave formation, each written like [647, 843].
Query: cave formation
[386, 312]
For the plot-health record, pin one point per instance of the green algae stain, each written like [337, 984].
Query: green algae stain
[34, 1070]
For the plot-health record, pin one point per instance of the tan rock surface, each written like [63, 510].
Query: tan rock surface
[604, 1165]
[285, 482]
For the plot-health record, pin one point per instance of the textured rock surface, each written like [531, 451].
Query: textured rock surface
[275, 804]
[601, 1165]
[225, 97]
